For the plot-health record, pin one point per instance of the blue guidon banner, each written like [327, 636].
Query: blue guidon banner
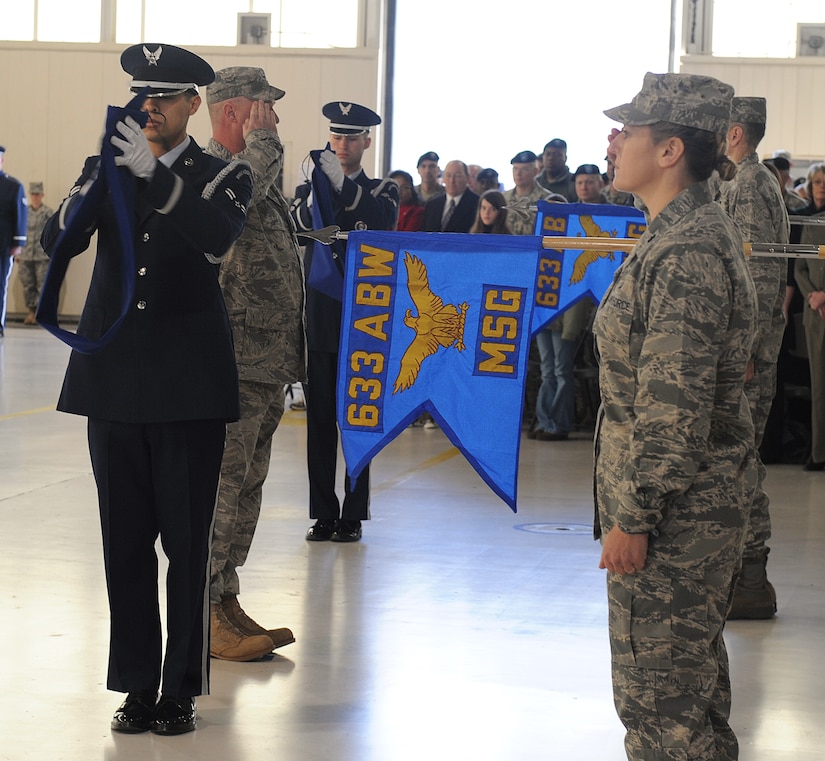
[437, 323]
[565, 277]
[442, 322]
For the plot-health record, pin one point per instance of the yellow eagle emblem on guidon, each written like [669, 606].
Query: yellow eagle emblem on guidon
[586, 258]
[436, 325]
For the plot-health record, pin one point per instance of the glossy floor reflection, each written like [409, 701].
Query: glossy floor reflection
[455, 630]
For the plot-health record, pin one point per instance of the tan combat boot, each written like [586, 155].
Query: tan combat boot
[235, 614]
[229, 643]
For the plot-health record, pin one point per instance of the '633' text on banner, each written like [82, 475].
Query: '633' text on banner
[438, 323]
[565, 277]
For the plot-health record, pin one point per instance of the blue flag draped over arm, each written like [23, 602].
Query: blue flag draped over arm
[326, 272]
[118, 182]
[565, 277]
[440, 323]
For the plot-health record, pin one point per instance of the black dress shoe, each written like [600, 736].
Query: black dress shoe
[322, 531]
[136, 713]
[347, 531]
[811, 465]
[174, 716]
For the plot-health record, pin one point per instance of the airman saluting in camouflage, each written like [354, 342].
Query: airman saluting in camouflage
[673, 468]
[754, 202]
[262, 283]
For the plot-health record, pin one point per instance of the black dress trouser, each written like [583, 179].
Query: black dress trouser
[157, 479]
[322, 446]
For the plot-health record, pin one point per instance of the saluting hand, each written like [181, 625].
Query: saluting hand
[611, 152]
[261, 116]
[136, 153]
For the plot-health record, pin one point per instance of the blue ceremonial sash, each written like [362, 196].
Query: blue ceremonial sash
[437, 322]
[326, 272]
[118, 182]
[565, 277]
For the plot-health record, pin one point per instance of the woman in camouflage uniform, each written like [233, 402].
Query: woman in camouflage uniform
[674, 439]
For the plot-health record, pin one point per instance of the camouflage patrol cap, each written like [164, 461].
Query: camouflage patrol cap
[35, 188]
[749, 111]
[690, 100]
[241, 82]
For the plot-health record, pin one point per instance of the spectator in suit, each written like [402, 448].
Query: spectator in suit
[455, 210]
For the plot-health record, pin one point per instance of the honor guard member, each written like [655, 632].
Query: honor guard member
[13, 224]
[263, 286]
[33, 261]
[754, 202]
[360, 203]
[159, 394]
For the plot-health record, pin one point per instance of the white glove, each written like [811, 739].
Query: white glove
[136, 153]
[331, 167]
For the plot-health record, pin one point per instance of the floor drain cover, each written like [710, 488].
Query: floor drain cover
[556, 528]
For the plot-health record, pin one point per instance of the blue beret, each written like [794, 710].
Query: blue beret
[524, 157]
[556, 142]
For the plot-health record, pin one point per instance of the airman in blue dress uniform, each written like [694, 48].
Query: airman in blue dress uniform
[159, 394]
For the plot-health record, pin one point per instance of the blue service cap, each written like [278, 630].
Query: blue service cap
[349, 118]
[165, 69]
[524, 157]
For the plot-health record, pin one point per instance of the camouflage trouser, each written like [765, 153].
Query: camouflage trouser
[243, 472]
[760, 391]
[671, 681]
[31, 273]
